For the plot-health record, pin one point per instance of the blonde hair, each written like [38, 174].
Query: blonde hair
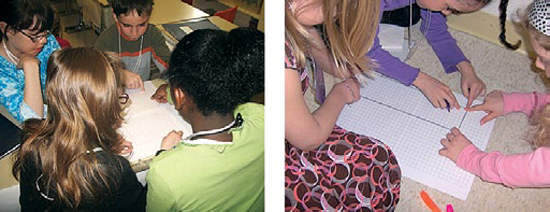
[541, 118]
[541, 121]
[350, 26]
[83, 113]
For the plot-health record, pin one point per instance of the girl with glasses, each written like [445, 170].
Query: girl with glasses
[26, 46]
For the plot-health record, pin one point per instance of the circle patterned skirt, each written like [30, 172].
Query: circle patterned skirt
[349, 172]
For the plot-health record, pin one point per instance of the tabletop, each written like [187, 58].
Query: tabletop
[167, 11]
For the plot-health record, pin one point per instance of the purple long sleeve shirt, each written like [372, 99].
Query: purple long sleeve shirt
[434, 26]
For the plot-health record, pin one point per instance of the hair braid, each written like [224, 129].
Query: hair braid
[502, 37]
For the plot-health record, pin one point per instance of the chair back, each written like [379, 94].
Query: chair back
[228, 14]
[10, 138]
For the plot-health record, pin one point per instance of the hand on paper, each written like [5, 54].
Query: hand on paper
[435, 91]
[161, 95]
[471, 85]
[131, 80]
[493, 104]
[170, 140]
[453, 144]
[126, 148]
[349, 89]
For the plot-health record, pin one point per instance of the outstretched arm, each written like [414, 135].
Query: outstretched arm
[434, 25]
[497, 103]
[520, 170]
[435, 91]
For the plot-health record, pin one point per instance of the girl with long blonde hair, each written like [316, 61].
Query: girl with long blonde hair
[69, 161]
[327, 167]
[519, 170]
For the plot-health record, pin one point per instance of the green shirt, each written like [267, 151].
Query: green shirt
[219, 176]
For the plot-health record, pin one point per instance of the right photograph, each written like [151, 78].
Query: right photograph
[402, 105]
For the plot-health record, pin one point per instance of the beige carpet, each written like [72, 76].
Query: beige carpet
[499, 69]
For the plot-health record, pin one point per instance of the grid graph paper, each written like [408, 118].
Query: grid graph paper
[403, 118]
[146, 122]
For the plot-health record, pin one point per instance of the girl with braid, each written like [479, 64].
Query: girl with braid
[520, 170]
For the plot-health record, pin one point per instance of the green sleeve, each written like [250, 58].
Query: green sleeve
[159, 195]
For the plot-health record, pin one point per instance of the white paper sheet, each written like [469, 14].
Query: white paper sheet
[391, 37]
[403, 118]
[186, 29]
[146, 122]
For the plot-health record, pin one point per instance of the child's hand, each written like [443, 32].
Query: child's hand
[28, 62]
[493, 104]
[160, 95]
[453, 144]
[132, 80]
[435, 91]
[170, 140]
[349, 89]
[471, 85]
[126, 148]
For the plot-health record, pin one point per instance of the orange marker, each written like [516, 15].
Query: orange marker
[428, 201]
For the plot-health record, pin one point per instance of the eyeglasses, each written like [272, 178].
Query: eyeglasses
[35, 39]
[123, 98]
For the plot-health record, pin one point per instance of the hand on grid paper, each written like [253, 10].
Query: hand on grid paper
[453, 144]
[471, 85]
[132, 80]
[170, 140]
[349, 89]
[161, 95]
[436, 92]
[493, 104]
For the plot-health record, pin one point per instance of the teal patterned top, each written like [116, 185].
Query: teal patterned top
[12, 83]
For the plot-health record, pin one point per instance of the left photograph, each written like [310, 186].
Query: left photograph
[132, 105]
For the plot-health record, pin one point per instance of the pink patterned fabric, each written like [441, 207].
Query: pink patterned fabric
[348, 172]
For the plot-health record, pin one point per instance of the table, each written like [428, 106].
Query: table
[221, 23]
[7, 179]
[168, 11]
[99, 14]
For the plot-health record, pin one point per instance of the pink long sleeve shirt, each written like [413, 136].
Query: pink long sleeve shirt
[520, 170]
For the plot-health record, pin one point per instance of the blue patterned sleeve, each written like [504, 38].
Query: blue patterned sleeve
[11, 88]
[12, 84]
